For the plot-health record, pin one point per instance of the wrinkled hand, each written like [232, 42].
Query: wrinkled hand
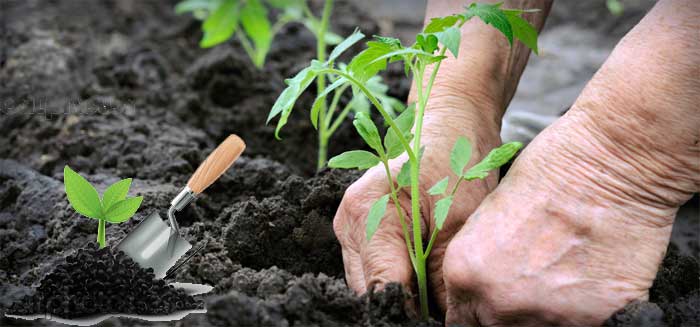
[385, 258]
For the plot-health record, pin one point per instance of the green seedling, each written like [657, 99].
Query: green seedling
[326, 116]
[248, 21]
[404, 131]
[114, 207]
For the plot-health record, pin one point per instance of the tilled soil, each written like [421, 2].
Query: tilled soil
[120, 89]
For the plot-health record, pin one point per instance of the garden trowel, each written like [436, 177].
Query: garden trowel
[154, 244]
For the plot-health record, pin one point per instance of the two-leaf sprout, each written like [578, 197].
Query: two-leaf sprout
[114, 207]
[404, 131]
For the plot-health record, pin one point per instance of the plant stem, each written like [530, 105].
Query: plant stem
[397, 204]
[321, 84]
[415, 199]
[101, 233]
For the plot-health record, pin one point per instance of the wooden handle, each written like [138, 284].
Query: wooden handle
[216, 163]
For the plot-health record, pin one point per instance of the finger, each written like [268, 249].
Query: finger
[385, 257]
[344, 227]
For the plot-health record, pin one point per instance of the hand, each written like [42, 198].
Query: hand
[579, 226]
[385, 258]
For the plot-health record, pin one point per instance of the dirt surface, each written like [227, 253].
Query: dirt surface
[97, 281]
[120, 89]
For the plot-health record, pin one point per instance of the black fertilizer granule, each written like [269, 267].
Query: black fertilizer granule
[99, 281]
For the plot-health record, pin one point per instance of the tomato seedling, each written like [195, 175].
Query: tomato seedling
[114, 207]
[249, 21]
[404, 132]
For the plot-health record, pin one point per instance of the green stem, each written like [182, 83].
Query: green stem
[421, 275]
[321, 84]
[101, 234]
[339, 119]
[397, 204]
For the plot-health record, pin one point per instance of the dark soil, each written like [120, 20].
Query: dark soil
[97, 281]
[120, 89]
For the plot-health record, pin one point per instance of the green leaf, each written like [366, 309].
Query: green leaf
[427, 42]
[439, 187]
[375, 215]
[115, 193]
[285, 102]
[81, 194]
[460, 155]
[221, 24]
[390, 41]
[366, 128]
[123, 210]
[496, 158]
[439, 24]
[404, 122]
[359, 159]
[450, 38]
[401, 53]
[522, 29]
[442, 208]
[363, 65]
[491, 14]
[347, 43]
[195, 5]
[257, 27]
[404, 177]
[332, 38]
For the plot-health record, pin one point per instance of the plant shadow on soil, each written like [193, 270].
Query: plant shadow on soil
[148, 103]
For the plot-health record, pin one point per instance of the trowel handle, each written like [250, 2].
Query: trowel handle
[216, 163]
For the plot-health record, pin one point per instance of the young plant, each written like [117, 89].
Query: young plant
[327, 117]
[248, 21]
[404, 132]
[114, 207]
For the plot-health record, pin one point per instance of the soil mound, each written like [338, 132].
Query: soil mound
[97, 281]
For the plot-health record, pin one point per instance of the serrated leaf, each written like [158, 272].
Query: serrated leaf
[257, 27]
[115, 193]
[390, 41]
[442, 208]
[427, 42]
[450, 38]
[460, 155]
[403, 179]
[375, 215]
[496, 158]
[123, 210]
[522, 30]
[345, 44]
[285, 102]
[221, 24]
[359, 159]
[440, 187]
[493, 15]
[81, 194]
[363, 66]
[439, 24]
[368, 130]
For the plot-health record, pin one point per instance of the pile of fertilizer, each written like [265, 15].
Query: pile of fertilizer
[99, 281]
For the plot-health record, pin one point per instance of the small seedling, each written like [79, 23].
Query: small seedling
[113, 207]
[249, 21]
[327, 117]
[404, 132]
